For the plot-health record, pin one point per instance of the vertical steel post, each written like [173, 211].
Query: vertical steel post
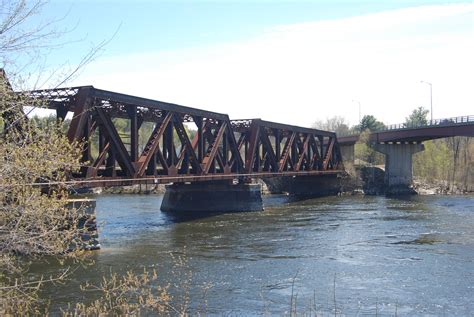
[276, 132]
[200, 143]
[132, 113]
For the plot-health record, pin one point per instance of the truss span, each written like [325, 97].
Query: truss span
[127, 139]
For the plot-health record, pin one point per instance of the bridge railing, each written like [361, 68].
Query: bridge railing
[430, 123]
[413, 125]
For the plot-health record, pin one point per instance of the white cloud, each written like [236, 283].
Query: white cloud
[304, 72]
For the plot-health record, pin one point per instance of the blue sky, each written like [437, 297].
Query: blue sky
[146, 25]
[289, 61]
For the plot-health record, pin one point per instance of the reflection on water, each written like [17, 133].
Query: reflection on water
[414, 256]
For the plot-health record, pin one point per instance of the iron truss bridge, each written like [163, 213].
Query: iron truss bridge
[164, 142]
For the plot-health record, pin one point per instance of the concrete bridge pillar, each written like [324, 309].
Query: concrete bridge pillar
[348, 153]
[212, 197]
[399, 167]
[314, 186]
[305, 186]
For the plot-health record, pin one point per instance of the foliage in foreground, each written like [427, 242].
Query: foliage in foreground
[34, 221]
[128, 295]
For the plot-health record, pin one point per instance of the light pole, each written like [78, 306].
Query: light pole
[353, 100]
[431, 98]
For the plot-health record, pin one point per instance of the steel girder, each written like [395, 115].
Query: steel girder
[279, 148]
[216, 149]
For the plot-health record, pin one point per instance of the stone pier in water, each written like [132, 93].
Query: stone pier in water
[312, 187]
[210, 197]
[305, 186]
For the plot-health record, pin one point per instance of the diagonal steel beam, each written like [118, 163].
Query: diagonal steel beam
[186, 143]
[212, 150]
[195, 142]
[328, 155]
[234, 149]
[303, 153]
[339, 160]
[210, 139]
[240, 144]
[241, 141]
[270, 154]
[123, 157]
[152, 145]
[286, 152]
[101, 158]
[251, 154]
[81, 113]
[316, 157]
[161, 158]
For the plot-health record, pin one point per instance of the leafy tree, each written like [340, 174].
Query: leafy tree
[336, 124]
[369, 122]
[34, 220]
[419, 117]
[364, 152]
[433, 163]
[447, 162]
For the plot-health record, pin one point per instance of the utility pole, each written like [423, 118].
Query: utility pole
[353, 100]
[431, 98]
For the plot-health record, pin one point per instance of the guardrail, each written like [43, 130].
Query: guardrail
[430, 123]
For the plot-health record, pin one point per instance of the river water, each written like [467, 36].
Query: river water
[356, 255]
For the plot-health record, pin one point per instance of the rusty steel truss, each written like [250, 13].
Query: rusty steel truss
[185, 144]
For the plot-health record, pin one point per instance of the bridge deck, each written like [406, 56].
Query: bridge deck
[440, 128]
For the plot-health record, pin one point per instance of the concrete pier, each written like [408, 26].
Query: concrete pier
[277, 185]
[399, 167]
[212, 197]
[314, 186]
[305, 186]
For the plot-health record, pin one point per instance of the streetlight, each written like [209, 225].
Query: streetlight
[431, 97]
[353, 100]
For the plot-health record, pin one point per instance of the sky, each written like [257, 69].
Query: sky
[287, 61]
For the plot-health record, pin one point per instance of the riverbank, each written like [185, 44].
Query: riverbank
[133, 189]
[368, 181]
[371, 181]
[425, 187]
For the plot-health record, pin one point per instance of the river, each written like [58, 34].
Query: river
[358, 255]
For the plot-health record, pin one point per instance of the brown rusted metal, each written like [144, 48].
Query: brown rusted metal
[286, 152]
[81, 112]
[300, 151]
[221, 149]
[152, 144]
